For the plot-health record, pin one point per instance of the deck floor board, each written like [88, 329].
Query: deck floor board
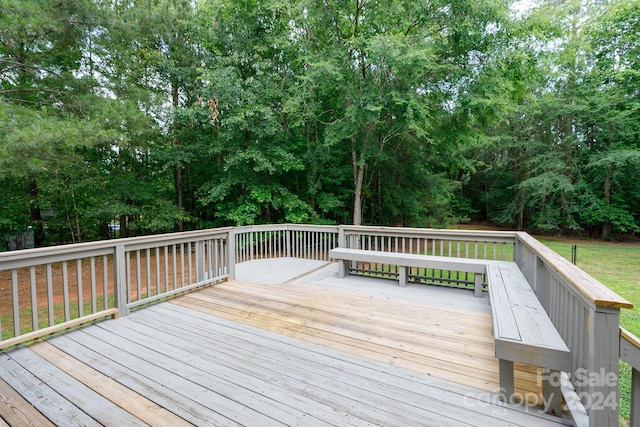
[288, 353]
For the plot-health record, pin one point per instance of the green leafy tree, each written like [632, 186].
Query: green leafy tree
[613, 121]
[41, 54]
[254, 161]
[380, 78]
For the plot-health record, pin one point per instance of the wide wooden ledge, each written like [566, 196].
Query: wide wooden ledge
[594, 291]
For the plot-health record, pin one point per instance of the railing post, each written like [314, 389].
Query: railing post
[342, 239]
[120, 280]
[287, 242]
[634, 420]
[630, 353]
[603, 373]
[231, 254]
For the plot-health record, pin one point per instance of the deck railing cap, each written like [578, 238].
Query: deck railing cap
[596, 292]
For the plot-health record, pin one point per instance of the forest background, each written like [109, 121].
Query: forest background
[147, 116]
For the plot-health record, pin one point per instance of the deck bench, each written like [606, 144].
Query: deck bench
[403, 260]
[522, 329]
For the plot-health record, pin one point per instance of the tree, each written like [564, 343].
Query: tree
[253, 158]
[40, 50]
[612, 126]
[379, 76]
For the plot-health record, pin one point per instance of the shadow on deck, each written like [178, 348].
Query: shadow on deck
[288, 343]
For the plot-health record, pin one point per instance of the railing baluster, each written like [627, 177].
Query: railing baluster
[174, 256]
[190, 278]
[34, 298]
[216, 255]
[275, 244]
[94, 297]
[79, 288]
[254, 245]
[223, 258]
[138, 278]
[182, 265]
[148, 269]
[166, 268]
[156, 252]
[65, 290]
[15, 301]
[312, 242]
[208, 260]
[50, 294]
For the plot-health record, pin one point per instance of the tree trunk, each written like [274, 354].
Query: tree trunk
[35, 215]
[178, 169]
[606, 226]
[124, 231]
[178, 188]
[358, 178]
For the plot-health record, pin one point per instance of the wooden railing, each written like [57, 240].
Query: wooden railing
[586, 314]
[51, 289]
[46, 290]
[296, 241]
[630, 353]
[448, 243]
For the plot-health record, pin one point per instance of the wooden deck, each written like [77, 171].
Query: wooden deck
[289, 344]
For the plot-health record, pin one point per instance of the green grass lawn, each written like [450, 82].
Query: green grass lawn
[615, 265]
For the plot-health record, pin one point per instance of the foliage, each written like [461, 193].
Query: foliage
[170, 114]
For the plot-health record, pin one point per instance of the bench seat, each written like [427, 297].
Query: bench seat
[403, 260]
[522, 330]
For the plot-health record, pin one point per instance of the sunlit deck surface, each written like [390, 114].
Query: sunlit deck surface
[287, 344]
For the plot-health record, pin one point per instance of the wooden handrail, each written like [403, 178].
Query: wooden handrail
[589, 287]
[630, 348]
[630, 353]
